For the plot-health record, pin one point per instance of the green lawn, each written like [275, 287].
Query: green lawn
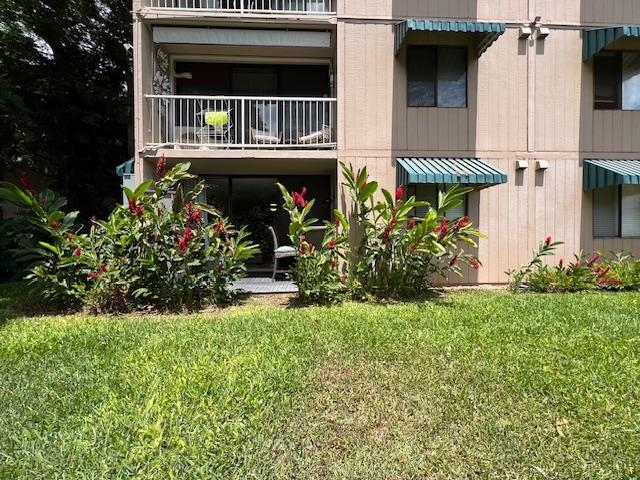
[475, 385]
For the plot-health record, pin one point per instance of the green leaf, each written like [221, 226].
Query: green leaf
[362, 178]
[128, 192]
[142, 188]
[49, 247]
[12, 194]
[367, 192]
[387, 197]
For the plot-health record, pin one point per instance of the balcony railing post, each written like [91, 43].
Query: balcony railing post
[242, 122]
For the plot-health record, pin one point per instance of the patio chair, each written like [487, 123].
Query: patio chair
[320, 136]
[216, 126]
[262, 137]
[284, 251]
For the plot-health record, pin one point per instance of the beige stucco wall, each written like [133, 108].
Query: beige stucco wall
[527, 99]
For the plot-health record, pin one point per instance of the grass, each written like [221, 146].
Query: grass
[475, 385]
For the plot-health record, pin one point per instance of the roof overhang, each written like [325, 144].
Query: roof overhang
[600, 173]
[447, 171]
[486, 32]
[596, 40]
[241, 37]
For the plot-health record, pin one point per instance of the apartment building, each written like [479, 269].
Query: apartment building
[533, 103]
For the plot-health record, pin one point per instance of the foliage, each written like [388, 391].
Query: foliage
[19, 235]
[319, 270]
[518, 277]
[145, 254]
[627, 269]
[65, 96]
[583, 274]
[399, 252]
[483, 385]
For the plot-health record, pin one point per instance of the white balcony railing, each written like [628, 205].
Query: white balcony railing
[250, 6]
[241, 122]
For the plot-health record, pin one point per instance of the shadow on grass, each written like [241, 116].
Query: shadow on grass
[17, 301]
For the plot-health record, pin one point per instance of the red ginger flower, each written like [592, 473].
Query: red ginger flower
[135, 207]
[387, 230]
[399, 193]
[561, 264]
[442, 229]
[411, 224]
[103, 267]
[183, 242]
[474, 263]
[54, 224]
[594, 260]
[219, 227]
[298, 198]
[77, 252]
[25, 181]
[193, 216]
[161, 166]
[454, 260]
[93, 276]
[343, 279]
[461, 223]
[332, 244]
[547, 241]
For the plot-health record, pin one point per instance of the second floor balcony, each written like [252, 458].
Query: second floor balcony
[233, 122]
[282, 7]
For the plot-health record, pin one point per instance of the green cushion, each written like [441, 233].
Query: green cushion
[216, 119]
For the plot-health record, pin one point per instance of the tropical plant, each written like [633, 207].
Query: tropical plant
[399, 252]
[320, 270]
[19, 235]
[583, 274]
[151, 253]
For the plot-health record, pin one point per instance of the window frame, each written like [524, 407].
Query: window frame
[619, 104]
[619, 197]
[437, 49]
[412, 190]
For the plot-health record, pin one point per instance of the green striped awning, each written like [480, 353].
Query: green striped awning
[600, 173]
[487, 32]
[471, 171]
[126, 168]
[596, 40]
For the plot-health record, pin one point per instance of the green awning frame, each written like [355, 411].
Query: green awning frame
[600, 173]
[126, 168]
[487, 32]
[447, 171]
[596, 40]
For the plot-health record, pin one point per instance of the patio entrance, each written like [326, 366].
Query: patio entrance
[256, 202]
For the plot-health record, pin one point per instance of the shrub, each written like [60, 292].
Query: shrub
[320, 270]
[19, 235]
[145, 254]
[627, 269]
[398, 253]
[584, 274]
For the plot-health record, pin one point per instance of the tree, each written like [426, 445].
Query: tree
[65, 96]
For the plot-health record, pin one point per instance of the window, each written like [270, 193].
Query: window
[436, 76]
[617, 81]
[429, 193]
[616, 211]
